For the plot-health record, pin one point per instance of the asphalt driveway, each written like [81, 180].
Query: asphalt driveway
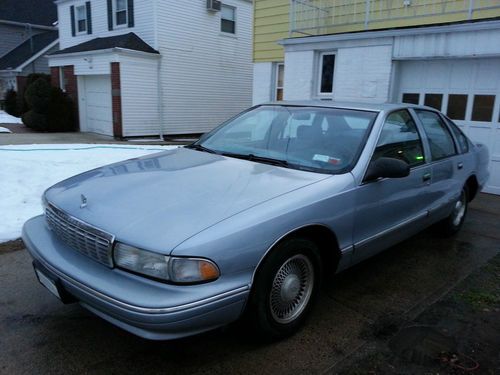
[40, 335]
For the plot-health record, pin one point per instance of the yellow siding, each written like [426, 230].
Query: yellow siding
[271, 23]
[272, 19]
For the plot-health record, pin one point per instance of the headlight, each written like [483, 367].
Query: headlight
[175, 269]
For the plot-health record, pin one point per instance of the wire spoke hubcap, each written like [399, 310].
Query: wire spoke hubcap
[459, 209]
[292, 288]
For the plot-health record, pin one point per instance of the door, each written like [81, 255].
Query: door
[392, 209]
[467, 91]
[445, 162]
[97, 101]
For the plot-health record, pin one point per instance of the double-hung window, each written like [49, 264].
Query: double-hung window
[121, 16]
[81, 19]
[228, 19]
[326, 71]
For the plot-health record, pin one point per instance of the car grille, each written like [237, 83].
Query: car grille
[82, 237]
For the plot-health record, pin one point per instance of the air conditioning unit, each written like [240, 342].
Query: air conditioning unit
[213, 5]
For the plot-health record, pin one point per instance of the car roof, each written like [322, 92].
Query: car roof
[376, 107]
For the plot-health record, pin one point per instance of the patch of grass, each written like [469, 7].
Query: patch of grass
[480, 299]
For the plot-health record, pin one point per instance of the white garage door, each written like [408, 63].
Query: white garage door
[468, 91]
[97, 99]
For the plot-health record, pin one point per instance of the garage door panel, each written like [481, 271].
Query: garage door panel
[477, 80]
[461, 75]
[98, 104]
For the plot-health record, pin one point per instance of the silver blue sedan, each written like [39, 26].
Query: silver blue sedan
[249, 220]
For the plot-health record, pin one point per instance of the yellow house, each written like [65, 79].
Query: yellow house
[440, 53]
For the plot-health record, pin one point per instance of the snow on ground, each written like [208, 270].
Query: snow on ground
[4, 130]
[27, 170]
[5, 118]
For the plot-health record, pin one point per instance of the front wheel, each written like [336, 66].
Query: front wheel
[454, 222]
[285, 287]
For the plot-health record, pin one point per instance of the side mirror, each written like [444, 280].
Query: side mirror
[387, 168]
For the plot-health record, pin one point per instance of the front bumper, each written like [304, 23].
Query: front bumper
[144, 307]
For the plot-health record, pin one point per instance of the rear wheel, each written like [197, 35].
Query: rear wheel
[285, 287]
[454, 222]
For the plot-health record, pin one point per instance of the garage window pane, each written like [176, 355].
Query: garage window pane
[439, 137]
[482, 109]
[411, 98]
[433, 100]
[456, 106]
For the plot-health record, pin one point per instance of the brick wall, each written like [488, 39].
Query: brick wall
[54, 76]
[116, 100]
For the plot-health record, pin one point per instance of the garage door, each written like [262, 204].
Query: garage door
[98, 116]
[468, 91]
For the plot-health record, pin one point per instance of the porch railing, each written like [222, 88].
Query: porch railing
[314, 17]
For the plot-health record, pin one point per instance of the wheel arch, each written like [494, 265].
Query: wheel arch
[324, 237]
[472, 186]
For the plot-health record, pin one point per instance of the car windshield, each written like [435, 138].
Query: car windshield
[320, 139]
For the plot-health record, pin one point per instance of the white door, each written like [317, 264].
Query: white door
[468, 91]
[97, 102]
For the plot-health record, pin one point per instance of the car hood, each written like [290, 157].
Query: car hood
[158, 201]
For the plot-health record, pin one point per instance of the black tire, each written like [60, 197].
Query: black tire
[273, 289]
[453, 223]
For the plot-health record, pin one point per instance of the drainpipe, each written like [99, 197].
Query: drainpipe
[159, 80]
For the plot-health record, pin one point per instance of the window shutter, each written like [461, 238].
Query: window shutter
[89, 18]
[130, 12]
[72, 16]
[110, 15]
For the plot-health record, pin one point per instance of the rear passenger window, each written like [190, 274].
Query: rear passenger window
[462, 142]
[440, 140]
[399, 139]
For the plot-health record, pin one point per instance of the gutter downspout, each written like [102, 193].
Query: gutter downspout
[159, 80]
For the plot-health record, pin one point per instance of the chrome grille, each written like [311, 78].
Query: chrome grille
[82, 237]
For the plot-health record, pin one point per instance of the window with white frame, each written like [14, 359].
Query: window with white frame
[228, 19]
[81, 19]
[326, 71]
[280, 75]
[121, 15]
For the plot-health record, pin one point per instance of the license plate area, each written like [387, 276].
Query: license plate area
[47, 283]
[52, 283]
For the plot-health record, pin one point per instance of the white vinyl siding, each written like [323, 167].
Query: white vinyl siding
[206, 76]
[139, 92]
[143, 22]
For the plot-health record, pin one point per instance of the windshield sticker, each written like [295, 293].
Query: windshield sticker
[327, 159]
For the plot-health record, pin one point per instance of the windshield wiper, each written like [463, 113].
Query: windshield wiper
[197, 147]
[259, 159]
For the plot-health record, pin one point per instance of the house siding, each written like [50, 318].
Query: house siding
[143, 27]
[139, 96]
[270, 25]
[40, 65]
[206, 77]
[12, 36]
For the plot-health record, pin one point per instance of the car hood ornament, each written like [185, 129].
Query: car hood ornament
[83, 200]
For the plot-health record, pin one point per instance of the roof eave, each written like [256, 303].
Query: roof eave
[23, 24]
[105, 51]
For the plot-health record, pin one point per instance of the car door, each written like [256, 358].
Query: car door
[391, 209]
[446, 164]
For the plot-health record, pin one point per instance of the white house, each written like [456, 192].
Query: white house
[153, 67]
[453, 67]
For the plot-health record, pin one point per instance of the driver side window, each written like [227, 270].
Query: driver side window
[400, 139]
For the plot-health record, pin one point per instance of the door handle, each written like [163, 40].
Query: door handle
[426, 177]
[460, 165]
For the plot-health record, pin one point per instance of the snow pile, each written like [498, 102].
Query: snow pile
[27, 170]
[5, 118]
[4, 130]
